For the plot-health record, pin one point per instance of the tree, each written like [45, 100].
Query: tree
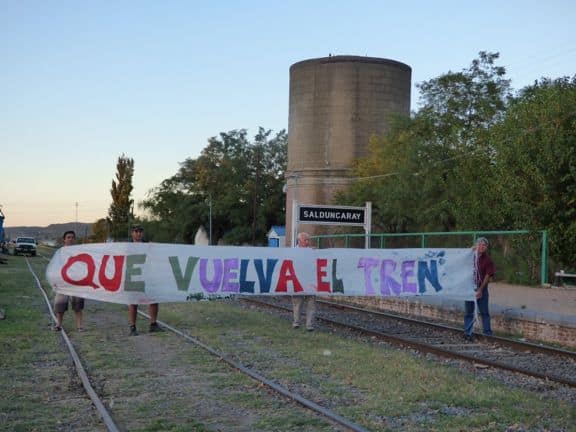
[430, 172]
[460, 105]
[386, 179]
[536, 164]
[100, 230]
[240, 180]
[458, 111]
[265, 182]
[120, 212]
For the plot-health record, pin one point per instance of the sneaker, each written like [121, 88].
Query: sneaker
[154, 327]
[80, 329]
[468, 337]
[57, 328]
[133, 331]
[295, 326]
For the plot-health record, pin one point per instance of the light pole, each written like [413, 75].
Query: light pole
[210, 220]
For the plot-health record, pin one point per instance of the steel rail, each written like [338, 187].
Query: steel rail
[427, 348]
[336, 418]
[263, 380]
[96, 401]
[501, 340]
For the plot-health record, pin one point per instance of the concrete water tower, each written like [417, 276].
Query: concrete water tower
[336, 104]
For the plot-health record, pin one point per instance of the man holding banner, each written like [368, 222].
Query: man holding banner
[137, 237]
[61, 301]
[297, 301]
[483, 272]
[138, 273]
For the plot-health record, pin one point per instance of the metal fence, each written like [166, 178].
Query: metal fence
[520, 256]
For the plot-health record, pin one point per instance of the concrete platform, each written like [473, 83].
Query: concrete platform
[554, 304]
[535, 313]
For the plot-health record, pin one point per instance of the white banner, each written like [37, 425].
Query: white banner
[141, 273]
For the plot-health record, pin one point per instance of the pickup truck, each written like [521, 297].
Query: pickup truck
[25, 246]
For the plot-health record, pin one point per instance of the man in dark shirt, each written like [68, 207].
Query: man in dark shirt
[138, 237]
[483, 273]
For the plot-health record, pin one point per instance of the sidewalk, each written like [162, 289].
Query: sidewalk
[555, 300]
[553, 305]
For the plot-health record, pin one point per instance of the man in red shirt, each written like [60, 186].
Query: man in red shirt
[483, 273]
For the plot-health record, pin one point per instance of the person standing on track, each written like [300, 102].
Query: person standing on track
[483, 272]
[137, 233]
[303, 241]
[61, 300]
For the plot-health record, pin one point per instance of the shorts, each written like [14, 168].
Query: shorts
[61, 303]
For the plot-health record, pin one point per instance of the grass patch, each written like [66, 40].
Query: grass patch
[379, 387]
[158, 383]
[35, 377]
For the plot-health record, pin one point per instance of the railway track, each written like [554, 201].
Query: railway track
[107, 415]
[535, 360]
[99, 406]
[543, 362]
[239, 345]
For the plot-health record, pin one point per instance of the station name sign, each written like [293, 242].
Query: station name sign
[332, 215]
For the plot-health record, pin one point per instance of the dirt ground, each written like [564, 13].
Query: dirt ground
[156, 381]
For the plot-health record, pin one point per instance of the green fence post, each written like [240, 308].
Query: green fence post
[544, 271]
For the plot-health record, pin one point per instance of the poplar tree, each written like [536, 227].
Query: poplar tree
[121, 209]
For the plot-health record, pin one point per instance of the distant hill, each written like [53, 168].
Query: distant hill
[51, 232]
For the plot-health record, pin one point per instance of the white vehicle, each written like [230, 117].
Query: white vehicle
[25, 246]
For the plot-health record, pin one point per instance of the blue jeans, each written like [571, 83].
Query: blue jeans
[469, 307]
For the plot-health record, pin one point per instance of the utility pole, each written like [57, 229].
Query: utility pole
[130, 218]
[2, 217]
[210, 221]
[257, 150]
